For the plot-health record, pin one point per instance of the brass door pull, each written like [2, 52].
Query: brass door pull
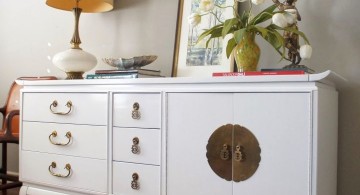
[54, 134]
[135, 114]
[225, 153]
[239, 155]
[53, 166]
[134, 183]
[135, 149]
[55, 104]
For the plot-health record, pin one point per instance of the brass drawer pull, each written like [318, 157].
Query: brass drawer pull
[135, 114]
[53, 166]
[134, 183]
[135, 149]
[55, 104]
[54, 134]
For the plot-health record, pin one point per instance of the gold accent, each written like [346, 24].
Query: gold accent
[177, 38]
[55, 104]
[74, 75]
[135, 149]
[134, 183]
[245, 155]
[75, 41]
[53, 166]
[246, 166]
[225, 153]
[135, 114]
[238, 154]
[54, 134]
[220, 138]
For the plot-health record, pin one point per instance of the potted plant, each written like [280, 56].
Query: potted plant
[277, 24]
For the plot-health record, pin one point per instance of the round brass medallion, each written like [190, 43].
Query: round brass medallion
[233, 152]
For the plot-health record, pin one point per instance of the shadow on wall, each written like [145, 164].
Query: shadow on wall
[121, 4]
[349, 140]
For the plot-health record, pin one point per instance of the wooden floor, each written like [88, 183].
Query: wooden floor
[13, 191]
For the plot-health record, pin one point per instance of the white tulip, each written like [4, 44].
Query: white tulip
[257, 2]
[279, 20]
[305, 51]
[290, 15]
[194, 19]
[206, 5]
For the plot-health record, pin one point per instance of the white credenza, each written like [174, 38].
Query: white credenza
[252, 135]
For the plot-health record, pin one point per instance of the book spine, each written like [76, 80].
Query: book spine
[254, 73]
[116, 71]
[111, 76]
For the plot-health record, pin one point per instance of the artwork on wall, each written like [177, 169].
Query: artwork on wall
[192, 58]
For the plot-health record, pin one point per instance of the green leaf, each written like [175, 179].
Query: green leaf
[230, 47]
[263, 16]
[291, 30]
[275, 38]
[239, 34]
[244, 18]
[216, 33]
[209, 31]
[261, 30]
[228, 24]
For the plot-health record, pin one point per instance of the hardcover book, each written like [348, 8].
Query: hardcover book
[139, 71]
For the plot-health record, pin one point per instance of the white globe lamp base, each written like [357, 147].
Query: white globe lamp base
[74, 62]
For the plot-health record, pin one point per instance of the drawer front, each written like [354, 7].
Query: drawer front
[137, 145]
[148, 180]
[86, 174]
[75, 140]
[149, 110]
[86, 108]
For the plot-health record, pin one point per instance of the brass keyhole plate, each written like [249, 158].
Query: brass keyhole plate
[233, 169]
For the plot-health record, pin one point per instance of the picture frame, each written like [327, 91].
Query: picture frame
[193, 59]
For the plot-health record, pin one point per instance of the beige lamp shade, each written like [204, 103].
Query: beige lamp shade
[89, 6]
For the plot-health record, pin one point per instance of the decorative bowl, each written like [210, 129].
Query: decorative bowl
[130, 63]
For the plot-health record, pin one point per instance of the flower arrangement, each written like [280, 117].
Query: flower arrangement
[283, 17]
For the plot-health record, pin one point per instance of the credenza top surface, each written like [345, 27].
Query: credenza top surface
[327, 77]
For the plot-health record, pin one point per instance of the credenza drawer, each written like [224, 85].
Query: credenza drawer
[75, 140]
[79, 108]
[141, 110]
[135, 179]
[137, 145]
[85, 174]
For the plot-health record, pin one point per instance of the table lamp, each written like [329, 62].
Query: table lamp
[75, 61]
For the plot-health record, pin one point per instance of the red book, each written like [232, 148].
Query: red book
[254, 73]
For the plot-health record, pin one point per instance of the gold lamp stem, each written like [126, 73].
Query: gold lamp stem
[75, 41]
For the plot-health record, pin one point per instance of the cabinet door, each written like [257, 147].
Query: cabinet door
[281, 122]
[192, 118]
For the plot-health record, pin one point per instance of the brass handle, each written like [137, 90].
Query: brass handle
[239, 154]
[53, 166]
[134, 183]
[135, 114]
[54, 134]
[225, 153]
[55, 104]
[135, 149]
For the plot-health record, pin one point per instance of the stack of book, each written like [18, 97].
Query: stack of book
[124, 74]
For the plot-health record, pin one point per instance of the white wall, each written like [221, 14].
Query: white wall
[138, 27]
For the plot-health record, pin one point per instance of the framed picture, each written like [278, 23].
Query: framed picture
[194, 59]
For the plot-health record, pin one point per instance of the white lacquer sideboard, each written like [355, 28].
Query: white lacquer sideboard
[250, 135]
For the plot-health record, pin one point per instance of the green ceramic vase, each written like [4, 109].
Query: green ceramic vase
[247, 53]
